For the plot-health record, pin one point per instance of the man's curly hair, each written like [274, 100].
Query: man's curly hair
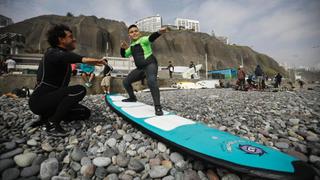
[55, 32]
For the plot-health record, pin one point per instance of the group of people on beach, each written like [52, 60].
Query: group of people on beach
[55, 101]
[259, 77]
[258, 80]
[258, 84]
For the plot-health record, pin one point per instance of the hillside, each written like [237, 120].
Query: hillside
[94, 35]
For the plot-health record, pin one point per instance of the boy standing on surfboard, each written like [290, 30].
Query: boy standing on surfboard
[146, 63]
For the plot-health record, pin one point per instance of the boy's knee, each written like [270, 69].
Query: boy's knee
[152, 82]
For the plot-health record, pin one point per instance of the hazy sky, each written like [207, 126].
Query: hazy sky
[287, 30]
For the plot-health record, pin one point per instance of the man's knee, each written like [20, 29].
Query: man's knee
[81, 88]
[79, 91]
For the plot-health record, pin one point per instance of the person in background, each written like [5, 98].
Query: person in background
[277, 79]
[221, 84]
[74, 69]
[87, 71]
[194, 67]
[146, 63]
[52, 99]
[259, 76]
[171, 69]
[301, 83]
[241, 78]
[3, 67]
[11, 64]
[105, 83]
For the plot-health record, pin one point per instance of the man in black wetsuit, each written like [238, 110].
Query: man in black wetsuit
[194, 67]
[171, 69]
[53, 100]
[146, 63]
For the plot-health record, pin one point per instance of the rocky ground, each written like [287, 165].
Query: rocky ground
[107, 147]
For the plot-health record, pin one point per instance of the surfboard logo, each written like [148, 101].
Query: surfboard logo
[252, 149]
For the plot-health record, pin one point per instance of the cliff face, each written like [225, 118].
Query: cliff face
[94, 36]
[181, 47]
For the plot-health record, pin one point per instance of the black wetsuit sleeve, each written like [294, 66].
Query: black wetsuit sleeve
[154, 36]
[39, 72]
[65, 57]
[123, 52]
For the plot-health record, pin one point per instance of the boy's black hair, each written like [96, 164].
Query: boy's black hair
[132, 26]
[55, 32]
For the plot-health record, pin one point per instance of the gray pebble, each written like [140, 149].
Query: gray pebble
[77, 154]
[230, 177]
[5, 164]
[158, 171]
[162, 147]
[122, 160]
[10, 145]
[112, 177]
[101, 161]
[75, 166]
[109, 153]
[49, 168]
[85, 161]
[32, 142]
[60, 178]
[11, 153]
[113, 169]
[111, 142]
[10, 174]
[101, 172]
[190, 175]
[313, 138]
[127, 137]
[24, 160]
[282, 145]
[175, 157]
[314, 158]
[136, 165]
[30, 171]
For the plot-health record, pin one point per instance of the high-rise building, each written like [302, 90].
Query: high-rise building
[5, 21]
[188, 24]
[150, 24]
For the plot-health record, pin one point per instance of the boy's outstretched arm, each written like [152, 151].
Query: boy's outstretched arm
[157, 34]
[125, 51]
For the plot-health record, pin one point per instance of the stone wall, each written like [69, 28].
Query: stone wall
[9, 82]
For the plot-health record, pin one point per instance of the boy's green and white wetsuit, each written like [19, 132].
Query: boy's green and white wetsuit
[146, 63]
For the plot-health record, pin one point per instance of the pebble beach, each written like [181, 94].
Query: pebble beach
[107, 147]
